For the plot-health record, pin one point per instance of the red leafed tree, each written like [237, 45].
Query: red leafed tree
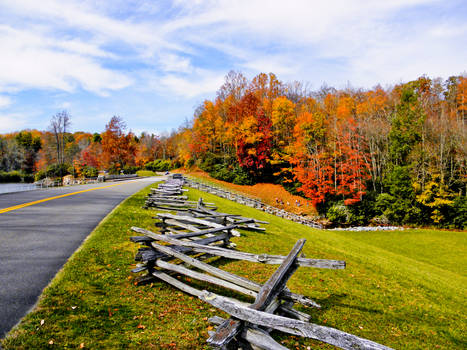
[329, 160]
[90, 155]
[118, 148]
[254, 146]
[313, 163]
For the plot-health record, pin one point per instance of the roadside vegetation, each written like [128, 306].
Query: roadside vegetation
[404, 289]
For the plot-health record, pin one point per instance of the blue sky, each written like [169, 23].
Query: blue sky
[153, 62]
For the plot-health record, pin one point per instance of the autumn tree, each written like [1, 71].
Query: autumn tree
[283, 119]
[118, 148]
[30, 146]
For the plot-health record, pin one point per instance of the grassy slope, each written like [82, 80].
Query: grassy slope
[394, 290]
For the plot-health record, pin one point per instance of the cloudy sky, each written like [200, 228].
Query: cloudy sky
[153, 62]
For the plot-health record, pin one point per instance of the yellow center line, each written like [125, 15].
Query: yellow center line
[56, 197]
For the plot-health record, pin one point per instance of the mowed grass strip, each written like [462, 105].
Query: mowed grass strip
[394, 290]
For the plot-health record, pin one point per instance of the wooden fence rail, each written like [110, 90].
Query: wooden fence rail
[198, 232]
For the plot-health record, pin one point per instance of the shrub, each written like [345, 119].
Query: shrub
[15, 176]
[58, 170]
[12, 176]
[458, 214]
[89, 171]
[41, 174]
[339, 214]
[159, 165]
[189, 163]
[130, 169]
[242, 177]
[209, 161]
[222, 172]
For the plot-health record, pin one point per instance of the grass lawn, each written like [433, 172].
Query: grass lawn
[403, 289]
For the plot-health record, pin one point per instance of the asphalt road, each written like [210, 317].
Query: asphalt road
[36, 240]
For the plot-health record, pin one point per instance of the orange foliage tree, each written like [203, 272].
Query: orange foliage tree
[118, 148]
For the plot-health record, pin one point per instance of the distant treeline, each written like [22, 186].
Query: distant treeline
[33, 155]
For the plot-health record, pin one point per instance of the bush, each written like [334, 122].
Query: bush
[189, 163]
[58, 170]
[12, 176]
[130, 169]
[339, 214]
[15, 176]
[242, 177]
[41, 174]
[89, 171]
[222, 172]
[209, 161]
[231, 173]
[458, 214]
[27, 178]
[159, 165]
[398, 211]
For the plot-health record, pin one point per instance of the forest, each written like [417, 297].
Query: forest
[395, 155]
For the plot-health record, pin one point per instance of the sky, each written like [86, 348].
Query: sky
[153, 62]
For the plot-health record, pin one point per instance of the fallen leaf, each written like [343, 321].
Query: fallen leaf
[140, 326]
[81, 346]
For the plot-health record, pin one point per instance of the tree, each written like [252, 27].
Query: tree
[311, 158]
[59, 125]
[30, 146]
[406, 126]
[118, 148]
[283, 121]
[255, 143]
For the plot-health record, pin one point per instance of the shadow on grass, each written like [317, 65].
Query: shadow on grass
[336, 300]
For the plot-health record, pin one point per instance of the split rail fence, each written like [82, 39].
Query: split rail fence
[197, 232]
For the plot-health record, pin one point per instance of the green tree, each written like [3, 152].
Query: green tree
[404, 136]
[406, 127]
[30, 146]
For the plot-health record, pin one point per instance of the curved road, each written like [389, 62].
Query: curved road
[39, 232]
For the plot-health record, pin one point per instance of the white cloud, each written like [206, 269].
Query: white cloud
[12, 122]
[336, 40]
[174, 63]
[30, 60]
[5, 101]
[201, 83]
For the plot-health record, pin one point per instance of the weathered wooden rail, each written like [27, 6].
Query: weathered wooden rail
[169, 196]
[189, 237]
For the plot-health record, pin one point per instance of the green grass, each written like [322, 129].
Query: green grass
[403, 289]
[145, 173]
